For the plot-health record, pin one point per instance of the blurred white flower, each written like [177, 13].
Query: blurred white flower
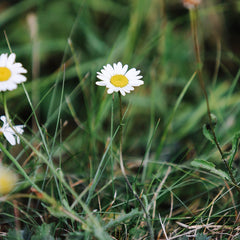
[10, 72]
[117, 79]
[9, 133]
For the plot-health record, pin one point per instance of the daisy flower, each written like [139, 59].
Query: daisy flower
[10, 72]
[190, 4]
[117, 79]
[8, 180]
[9, 133]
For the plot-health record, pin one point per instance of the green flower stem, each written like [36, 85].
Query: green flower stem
[124, 173]
[194, 26]
[99, 171]
[193, 19]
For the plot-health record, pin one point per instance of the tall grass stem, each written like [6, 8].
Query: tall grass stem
[124, 173]
[194, 29]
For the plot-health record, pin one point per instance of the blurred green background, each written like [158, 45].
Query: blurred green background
[153, 36]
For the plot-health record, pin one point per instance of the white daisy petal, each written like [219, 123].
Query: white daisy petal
[106, 73]
[119, 65]
[19, 129]
[126, 90]
[115, 67]
[124, 69]
[19, 78]
[18, 139]
[131, 73]
[109, 67]
[137, 83]
[18, 68]
[10, 72]
[11, 134]
[2, 63]
[138, 77]
[118, 68]
[3, 119]
[116, 78]
[130, 88]
[122, 92]
[102, 77]
[11, 86]
[110, 91]
[3, 59]
[137, 72]
[101, 83]
[21, 70]
[17, 65]
[7, 86]
[10, 138]
[11, 59]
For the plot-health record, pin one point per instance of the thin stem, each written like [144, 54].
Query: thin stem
[193, 18]
[34, 29]
[8, 43]
[125, 175]
[111, 147]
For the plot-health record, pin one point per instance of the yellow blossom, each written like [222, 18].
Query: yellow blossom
[8, 180]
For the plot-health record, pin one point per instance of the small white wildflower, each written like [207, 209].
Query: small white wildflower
[117, 79]
[9, 133]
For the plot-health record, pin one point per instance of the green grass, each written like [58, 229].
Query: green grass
[70, 182]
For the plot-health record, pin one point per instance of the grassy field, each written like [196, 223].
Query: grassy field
[161, 162]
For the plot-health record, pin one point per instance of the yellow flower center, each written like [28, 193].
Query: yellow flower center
[119, 80]
[5, 74]
[7, 182]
